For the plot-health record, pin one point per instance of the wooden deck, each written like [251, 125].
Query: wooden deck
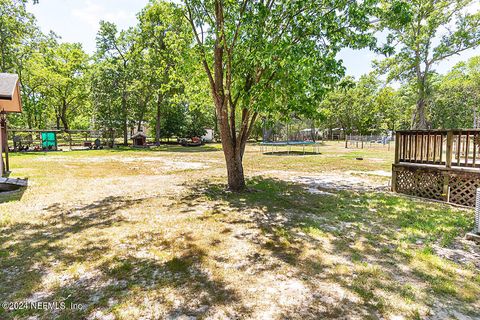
[438, 164]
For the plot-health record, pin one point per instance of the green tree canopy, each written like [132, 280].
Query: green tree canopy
[266, 55]
[430, 31]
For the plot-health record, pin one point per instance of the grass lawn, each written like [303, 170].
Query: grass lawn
[153, 234]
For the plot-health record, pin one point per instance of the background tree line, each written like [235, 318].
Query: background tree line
[136, 77]
[372, 106]
[148, 75]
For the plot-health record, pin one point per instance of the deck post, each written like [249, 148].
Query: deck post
[394, 179]
[449, 150]
[397, 161]
[446, 187]
[397, 147]
[448, 164]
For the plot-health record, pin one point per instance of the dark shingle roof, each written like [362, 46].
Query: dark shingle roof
[8, 82]
[139, 134]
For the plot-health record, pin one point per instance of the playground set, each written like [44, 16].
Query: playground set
[25, 140]
[276, 146]
[10, 102]
[282, 139]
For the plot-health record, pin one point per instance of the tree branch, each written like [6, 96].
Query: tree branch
[200, 44]
[237, 28]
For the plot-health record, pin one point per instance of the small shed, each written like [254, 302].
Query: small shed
[139, 139]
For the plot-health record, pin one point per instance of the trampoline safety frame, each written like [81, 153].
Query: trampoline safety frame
[274, 146]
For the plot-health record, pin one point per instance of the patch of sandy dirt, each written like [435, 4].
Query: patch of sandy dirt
[328, 183]
[442, 312]
[461, 251]
[162, 162]
[334, 182]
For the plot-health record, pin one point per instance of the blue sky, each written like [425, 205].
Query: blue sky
[77, 21]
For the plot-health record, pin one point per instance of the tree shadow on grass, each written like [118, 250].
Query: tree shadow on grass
[380, 244]
[31, 253]
[366, 243]
[29, 245]
[128, 280]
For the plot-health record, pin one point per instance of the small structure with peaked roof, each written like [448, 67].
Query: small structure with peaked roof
[10, 102]
[10, 98]
[139, 139]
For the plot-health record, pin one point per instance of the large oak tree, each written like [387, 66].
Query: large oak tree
[261, 55]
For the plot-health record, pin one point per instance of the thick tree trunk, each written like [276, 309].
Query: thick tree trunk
[63, 116]
[215, 132]
[236, 178]
[65, 123]
[157, 121]
[233, 150]
[420, 121]
[233, 157]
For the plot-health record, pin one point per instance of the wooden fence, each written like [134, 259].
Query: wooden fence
[438, 164]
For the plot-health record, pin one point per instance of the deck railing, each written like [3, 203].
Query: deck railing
[438, 164]
[449, 148]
